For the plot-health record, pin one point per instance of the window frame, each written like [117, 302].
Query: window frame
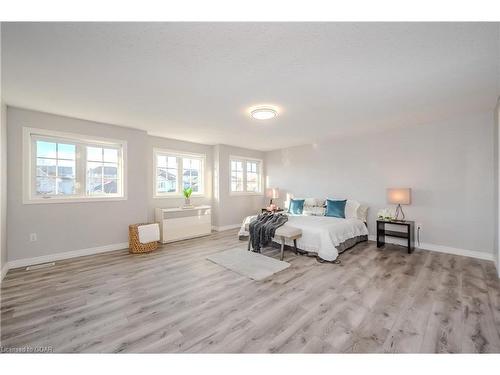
[243, 169]
[260, 175]
[81, 142]
[179, 155]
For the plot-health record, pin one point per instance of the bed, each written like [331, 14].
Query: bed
[326, 236]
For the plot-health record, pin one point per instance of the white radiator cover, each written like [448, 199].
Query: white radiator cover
[179, 224]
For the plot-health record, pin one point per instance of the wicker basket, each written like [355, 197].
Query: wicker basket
[135, 246]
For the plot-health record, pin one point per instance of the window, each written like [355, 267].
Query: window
[246, 175]
[236, 175]
[55, 168]
[166, 174]
[191, 170]
[61, 167]
[253, 176]
[176, 171]
[102, 170]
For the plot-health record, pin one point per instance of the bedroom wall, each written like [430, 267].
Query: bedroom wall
[231, 209]
[189, 147]
[3, 175]
[3, 189]
[67, 227]
[496, 139]
[448, 165]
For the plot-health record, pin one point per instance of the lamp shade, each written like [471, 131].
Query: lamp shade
[273, 193]
[399, 196]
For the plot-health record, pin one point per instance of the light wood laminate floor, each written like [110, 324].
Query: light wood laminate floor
[174, 300]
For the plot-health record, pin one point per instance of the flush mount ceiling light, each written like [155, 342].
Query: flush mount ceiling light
[263, 113]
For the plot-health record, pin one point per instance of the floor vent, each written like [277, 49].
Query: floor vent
[38, 266]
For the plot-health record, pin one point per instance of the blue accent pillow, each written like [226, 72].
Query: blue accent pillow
[296, 206]
[335, 208]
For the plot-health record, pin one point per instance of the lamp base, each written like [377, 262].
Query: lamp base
[399, 211]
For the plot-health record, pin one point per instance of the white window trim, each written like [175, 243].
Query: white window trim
[28, 166]
[244, 159]
[179, 154]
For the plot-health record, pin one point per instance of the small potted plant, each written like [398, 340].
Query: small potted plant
[187, 196]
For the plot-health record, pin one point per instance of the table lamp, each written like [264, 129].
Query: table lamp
[272, 193]
[399, 196]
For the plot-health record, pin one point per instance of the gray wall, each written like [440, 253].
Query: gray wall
[448, 165]
[172, 144]
[226, 209]
[71, 226]
[66, 227]
[231, 209]
[496, 140]
[3, 170]
[3, 185]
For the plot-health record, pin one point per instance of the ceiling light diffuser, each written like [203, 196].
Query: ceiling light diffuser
[263, 113]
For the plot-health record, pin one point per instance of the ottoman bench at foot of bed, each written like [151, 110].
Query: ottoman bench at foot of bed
[286, 232]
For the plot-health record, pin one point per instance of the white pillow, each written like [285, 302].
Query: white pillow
[314, 211]
[351, 209]
[363, 213]
[286, 204]
[314, 202]
[308, 202]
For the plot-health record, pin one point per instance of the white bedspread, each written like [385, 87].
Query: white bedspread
[321, 234]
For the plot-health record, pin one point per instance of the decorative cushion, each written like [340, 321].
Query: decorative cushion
[335, 208]
[362, 213]
[314, 211]
[351, 209]
[314, 202]
[296, 206]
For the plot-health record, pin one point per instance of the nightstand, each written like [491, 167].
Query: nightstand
[407, 232]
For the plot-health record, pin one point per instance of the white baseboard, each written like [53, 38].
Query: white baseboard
[455, 251]
[124, 245]
[445, 249]
[3, 272]
[226, 227]
[66, 255]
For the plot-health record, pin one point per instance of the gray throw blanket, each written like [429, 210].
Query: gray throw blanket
[263, 228]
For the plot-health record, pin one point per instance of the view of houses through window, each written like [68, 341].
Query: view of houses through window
[102, 170]
[166, 174]
[175, 172]
[70, 168]
[246, 175]
[55, 168]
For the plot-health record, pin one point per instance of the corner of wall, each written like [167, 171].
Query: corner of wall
[3, 175]
[497, 182]
[216, 186]
[3, 187]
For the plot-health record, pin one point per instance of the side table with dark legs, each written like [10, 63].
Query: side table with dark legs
[407, 232]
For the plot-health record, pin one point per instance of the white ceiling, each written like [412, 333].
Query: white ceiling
[194, 81]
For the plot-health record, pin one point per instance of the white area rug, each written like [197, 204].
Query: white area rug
[247, 263]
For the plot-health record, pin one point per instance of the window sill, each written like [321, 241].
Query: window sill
[244, 193]
[177, 196]
[73, 200]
